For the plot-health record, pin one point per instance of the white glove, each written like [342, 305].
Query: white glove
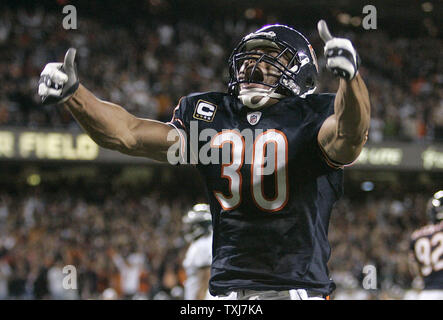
[341, 57]
[58, 81]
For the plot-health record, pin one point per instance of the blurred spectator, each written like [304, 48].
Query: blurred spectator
[55, 280]
[130, 272]
[5, 272]
[109, 294]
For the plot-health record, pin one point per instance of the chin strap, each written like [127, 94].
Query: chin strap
[261, 95]
[308, 92]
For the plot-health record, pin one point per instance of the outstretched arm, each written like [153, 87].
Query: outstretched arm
[343, 135]
[108, 124]
[112, 127]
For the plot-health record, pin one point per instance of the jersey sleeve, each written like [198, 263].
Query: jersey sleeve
[185, 120]
[180, 121]
[179, 115]
[317, 159]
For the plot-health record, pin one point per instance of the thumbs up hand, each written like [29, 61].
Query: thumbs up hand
[341, 57]
[59, 81]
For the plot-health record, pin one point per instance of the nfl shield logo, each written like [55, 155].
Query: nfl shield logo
[254, 117]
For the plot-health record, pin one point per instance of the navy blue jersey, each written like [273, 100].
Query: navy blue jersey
[271, 189]
[427, 248]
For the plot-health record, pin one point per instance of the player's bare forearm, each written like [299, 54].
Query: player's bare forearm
[343, 135]
[352, 108]
[112, 127]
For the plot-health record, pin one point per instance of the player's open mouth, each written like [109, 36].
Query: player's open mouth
[254, 74]
[251, 78]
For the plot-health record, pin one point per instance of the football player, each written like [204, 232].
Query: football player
[427, 250]
[271, 197]
[197, 263]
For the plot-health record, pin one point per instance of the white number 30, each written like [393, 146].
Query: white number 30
[231, 171]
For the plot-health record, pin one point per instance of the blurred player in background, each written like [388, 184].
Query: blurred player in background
[270, 228]
[427, 251]
[198, 259]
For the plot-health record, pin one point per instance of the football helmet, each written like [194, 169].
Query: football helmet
[296, 74]
[435, 207]
[197, 222]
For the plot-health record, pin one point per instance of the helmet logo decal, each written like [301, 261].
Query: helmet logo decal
[304, 59]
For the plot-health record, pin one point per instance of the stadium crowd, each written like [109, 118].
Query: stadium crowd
[131, 246]
[146, 67]
[127, 245]
[375, 232]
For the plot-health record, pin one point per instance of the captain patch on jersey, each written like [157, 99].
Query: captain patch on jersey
[205, 111]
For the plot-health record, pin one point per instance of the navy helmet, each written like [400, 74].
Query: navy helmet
[435, 207]
[298, 77]
[197, 222]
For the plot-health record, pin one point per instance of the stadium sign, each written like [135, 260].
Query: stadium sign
[401, 156]
[380, 156]
[18, 144]
[57, 145]
[432, 158]
[46, 146]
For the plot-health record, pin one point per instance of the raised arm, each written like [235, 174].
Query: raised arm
[343, 135]
[108, 124]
